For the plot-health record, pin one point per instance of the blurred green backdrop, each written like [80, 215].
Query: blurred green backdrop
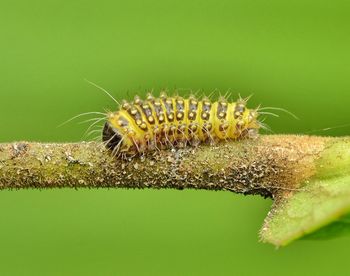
[291, 54]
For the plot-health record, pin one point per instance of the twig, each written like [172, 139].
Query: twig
[269, 166]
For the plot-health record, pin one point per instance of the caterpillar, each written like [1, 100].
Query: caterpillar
[162, 122]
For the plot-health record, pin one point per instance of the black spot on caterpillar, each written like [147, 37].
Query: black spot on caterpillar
[165, 122]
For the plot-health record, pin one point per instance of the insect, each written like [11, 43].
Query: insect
[166, 122]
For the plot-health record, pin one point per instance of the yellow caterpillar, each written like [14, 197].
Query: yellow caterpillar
[157, 123]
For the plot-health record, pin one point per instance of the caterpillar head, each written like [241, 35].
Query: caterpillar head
[111, 136]
[119, 134]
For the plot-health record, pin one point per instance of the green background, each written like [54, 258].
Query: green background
[290, 54]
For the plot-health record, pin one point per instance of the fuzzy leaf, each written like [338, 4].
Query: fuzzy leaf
[323, 204]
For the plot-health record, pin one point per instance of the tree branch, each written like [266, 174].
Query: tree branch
[269, 166]
[307, 176]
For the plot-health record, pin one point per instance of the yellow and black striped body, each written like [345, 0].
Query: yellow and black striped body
[157, 123]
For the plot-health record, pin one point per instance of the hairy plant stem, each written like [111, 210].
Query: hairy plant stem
[308, 176]
[270, 166]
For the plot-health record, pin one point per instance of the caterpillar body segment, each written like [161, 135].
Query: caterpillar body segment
[163, 122]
